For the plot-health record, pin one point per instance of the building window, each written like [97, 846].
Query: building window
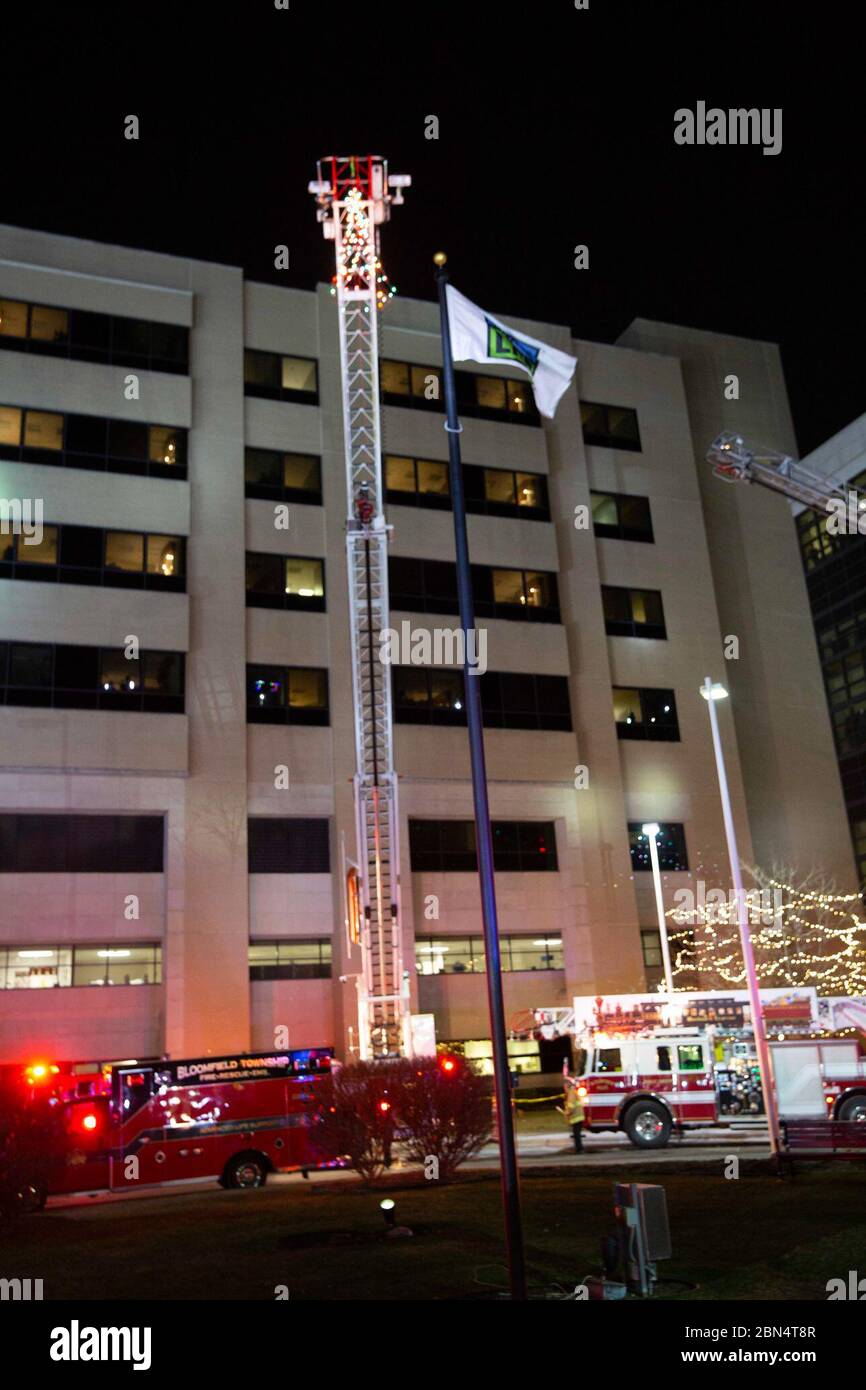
[430, 586]
[71, 677]
[291, 960]
[651, 947]
[285, 581]
[616, 516]
[89, 337]
[44, 843]
[287, 695]
[448, 846]
[428, 695]
[671, 841]
[436, 695]
[485, 397]
[89, 555]
[846, 695]
[816, 542]
[465, 955]
[633, 612]
[281, 378]
[487, 491]
[610, 426]
[288, 845]
[47, 967]
[92, 442]
[647, 714]
[278, 476]
[117, 964]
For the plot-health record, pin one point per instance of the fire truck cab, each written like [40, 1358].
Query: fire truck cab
[644, 1084]
[234, 1119]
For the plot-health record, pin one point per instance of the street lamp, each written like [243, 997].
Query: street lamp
[712, 692]
[651, 830]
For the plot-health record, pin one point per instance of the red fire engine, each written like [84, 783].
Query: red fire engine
[647, 1083]
[234, 1119]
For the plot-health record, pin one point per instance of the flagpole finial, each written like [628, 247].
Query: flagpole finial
[440, 258]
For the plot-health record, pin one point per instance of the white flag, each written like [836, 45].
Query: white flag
[477, 337]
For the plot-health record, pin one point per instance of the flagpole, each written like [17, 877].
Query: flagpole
[483, 833]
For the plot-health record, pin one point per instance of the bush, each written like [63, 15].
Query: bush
[358, 1111]
[352, 1116]
[447, 1114]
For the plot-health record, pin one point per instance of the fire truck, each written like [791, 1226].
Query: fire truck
[648, 1080]
[234, 1119]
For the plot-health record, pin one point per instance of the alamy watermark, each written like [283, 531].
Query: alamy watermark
[22, 516]
[737, 126]
[763, 905]
[439, 646]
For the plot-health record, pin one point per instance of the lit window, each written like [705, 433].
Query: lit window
[10, 425]
[49, 325]
[433, 477]
[508, 586]
[498, 485]
[165, 555]
[399, 473]
[43, 430]
[38, 552]
[13, 319]
[394, 378]
[490, 392]
[119, 675]
[124, 550]
[299, 374]
[304, 578]
[165, 446]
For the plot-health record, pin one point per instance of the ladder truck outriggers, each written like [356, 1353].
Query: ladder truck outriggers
[354, 196]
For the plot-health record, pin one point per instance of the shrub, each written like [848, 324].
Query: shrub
[445, 1111]
[352, 1116]
[436, 1108]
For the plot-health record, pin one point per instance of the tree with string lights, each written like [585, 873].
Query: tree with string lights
[803, 933]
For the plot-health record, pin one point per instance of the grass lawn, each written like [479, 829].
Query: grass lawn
[753, 1238]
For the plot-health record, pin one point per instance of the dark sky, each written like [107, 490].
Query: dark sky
[556, 128]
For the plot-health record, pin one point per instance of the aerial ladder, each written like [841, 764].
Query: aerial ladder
[354, 196]
[734, 459]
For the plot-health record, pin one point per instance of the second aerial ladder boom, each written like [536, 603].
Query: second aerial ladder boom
[736, 460]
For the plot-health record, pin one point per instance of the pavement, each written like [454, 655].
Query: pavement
[608, 1150]
[546, 1150]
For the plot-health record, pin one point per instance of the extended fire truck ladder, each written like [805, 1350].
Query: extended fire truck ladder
[735, 460]
[354, 196]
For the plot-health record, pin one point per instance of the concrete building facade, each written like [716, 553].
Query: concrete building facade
[177, 724]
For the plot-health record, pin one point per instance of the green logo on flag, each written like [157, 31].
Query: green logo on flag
[504, 347]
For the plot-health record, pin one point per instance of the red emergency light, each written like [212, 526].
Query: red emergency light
[38, 1073]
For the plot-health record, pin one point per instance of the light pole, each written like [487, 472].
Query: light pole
[651, 830]
[712, 691]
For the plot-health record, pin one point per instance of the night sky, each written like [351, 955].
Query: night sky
[556, 128]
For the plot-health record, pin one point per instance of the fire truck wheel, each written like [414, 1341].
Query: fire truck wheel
[854, 1109]
[647, 1124]
[32, 1197]
[245, 1170]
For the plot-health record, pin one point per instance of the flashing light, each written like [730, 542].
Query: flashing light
[88, 1123]
[582, 1091]
[448, 1065]
[384, 1106]
[40, 1071]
